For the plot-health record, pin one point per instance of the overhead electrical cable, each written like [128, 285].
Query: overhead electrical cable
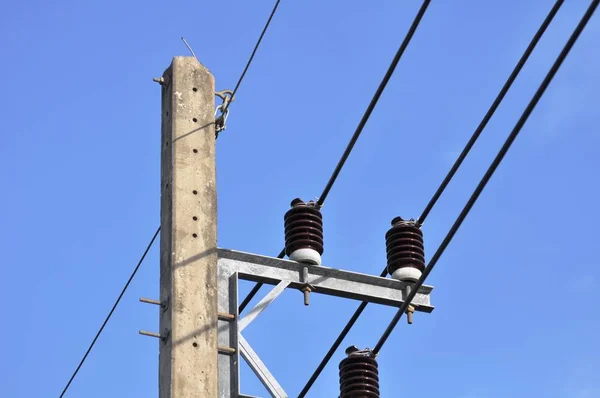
[112, 310]
[229, 95]
[239, 82]
[258, 42]
[507, 85]
[336, 172]
[533, 43]
[490, 172]
[358, 131]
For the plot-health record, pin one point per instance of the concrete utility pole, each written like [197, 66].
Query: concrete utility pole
[188, 244]
[201, 340]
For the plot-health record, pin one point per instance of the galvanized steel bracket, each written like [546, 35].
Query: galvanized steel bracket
[234, 265]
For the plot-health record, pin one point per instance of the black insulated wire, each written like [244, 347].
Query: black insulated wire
[260, 38]
[496, 162]
[373, 103]
[359, 128]
[363, 305]
[112, 310]
[224, 107]
[507, 85]
[257, 287]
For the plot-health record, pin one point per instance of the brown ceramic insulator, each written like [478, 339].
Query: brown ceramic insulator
[404, 246]
[359, 376]
[303, 227]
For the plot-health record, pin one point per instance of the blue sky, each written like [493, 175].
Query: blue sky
[79, 161]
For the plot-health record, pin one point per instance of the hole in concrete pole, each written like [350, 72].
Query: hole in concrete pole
[195, 192]
[195, 218]
[195, 235]
[195, 89]
[195, 151]
[194, 343]
[195, 120]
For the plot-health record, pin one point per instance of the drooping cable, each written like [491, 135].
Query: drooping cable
[335, 345]
[374, 100]
[112, 310]
[488, 175]
[259, 41]
[228, 96]
[491, 111]
[359, 128]
[543, 27]
[239, 82]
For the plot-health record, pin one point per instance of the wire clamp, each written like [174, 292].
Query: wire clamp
[220, 120]
[222, 111]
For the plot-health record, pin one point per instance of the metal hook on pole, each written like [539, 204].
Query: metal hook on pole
[220, 120]
[227, 96]
[222, 111]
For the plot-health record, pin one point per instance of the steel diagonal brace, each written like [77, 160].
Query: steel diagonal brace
[262, 305]
[260, 370]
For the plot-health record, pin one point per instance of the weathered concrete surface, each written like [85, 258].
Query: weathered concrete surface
[188, 257]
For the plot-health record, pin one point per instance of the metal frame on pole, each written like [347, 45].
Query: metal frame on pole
[284, 274]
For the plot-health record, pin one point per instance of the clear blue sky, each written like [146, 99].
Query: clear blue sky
[79, 162]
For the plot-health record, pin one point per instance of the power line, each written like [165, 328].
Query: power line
[457, 164]
[374, 100]
[361, 125]
[135, 270]
[335, 346]
[491, 111]
[229, 97]
[497, 160]
[262, 34]
[359, 128]
[239, 82]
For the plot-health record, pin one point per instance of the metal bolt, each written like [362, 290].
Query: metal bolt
[306, 290]
[162, 336]
[226, 350]
[150, 301]
[409, 314]
[163, 305]
[225, 316]
[150, 334]
[159, 80]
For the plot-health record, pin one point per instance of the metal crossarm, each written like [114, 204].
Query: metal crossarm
[330, 281]
[283, 274]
